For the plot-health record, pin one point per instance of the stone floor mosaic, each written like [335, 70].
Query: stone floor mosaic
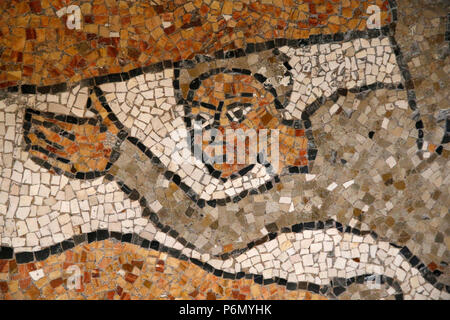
[107, 191]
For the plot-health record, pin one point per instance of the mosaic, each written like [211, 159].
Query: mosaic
[229, 150]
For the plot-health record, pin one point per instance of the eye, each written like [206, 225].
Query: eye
[239, 112]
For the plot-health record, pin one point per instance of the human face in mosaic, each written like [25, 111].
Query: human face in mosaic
[116, 156]
[233, 95]
[238, 114]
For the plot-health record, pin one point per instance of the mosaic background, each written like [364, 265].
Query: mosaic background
[90, 121]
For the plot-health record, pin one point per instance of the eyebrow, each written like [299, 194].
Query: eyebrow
[239, 104]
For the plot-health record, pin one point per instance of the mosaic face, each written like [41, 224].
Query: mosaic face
[333, 148]
[230, 103]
